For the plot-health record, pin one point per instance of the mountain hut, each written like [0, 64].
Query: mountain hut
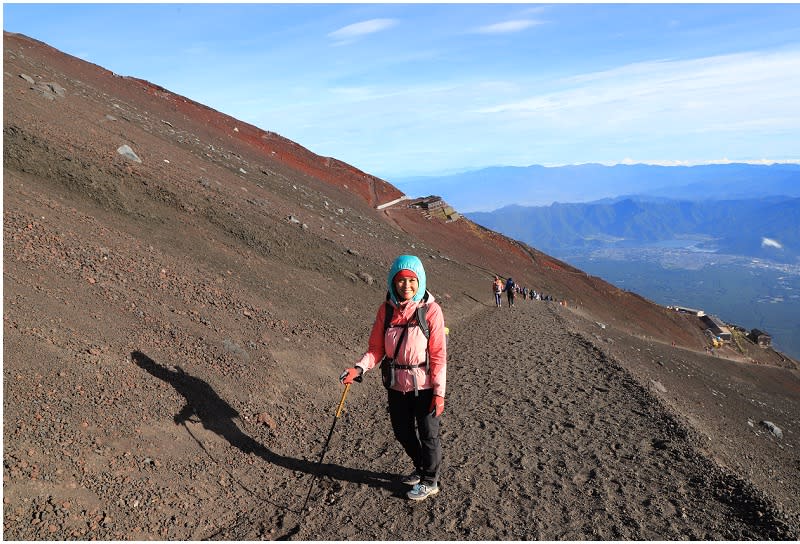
[760, 337]
[719, 328]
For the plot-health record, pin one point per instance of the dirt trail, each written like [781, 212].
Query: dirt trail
[544, 439]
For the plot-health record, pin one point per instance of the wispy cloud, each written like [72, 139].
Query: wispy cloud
[508, 27]
[769, 242]
[762, 162]
[644, 111]
[352, 32]
[733, 92]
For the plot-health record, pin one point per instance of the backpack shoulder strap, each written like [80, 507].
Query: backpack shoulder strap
[387, 318]
[421, 313]
[422, 319]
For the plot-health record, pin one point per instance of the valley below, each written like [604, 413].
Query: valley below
[743, 291]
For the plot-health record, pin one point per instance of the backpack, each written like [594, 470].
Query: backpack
[387, 364]
[421, 315]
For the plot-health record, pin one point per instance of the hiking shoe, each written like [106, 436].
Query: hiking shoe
[422, 491]
[412, 479]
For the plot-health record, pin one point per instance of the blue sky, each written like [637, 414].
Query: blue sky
[409, 89]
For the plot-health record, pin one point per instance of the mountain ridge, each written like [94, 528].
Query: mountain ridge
[735, 226]
[539, 185]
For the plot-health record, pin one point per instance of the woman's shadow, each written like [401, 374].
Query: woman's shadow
[218, 416]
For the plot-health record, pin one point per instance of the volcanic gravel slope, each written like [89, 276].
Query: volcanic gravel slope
[173, 330]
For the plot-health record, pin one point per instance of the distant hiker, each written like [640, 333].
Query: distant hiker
[413, 369]
[509, 289]
[497, 288]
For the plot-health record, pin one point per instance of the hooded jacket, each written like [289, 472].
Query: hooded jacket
[412, 350]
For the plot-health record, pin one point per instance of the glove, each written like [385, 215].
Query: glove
[437, 406]
[351, 374]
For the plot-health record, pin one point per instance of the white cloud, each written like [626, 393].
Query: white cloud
[745, 106]
[656, 162]
[508, 26]
[723, 92]
[732, 108]
[356, 30]
[769, 242]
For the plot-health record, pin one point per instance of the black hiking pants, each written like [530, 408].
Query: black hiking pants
[417, 431]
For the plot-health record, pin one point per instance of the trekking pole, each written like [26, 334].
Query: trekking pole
[327, 441]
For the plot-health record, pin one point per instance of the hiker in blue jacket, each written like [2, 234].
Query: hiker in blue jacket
[509, 290]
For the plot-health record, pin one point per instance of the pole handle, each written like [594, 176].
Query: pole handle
[341, 402]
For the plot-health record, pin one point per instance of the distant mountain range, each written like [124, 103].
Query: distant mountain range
[492, 188]
[696, 248]
[741, 209]
[766, 228]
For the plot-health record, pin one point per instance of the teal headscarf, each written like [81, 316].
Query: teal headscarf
[407, 262]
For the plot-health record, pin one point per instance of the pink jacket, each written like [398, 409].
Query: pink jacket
[413, 349]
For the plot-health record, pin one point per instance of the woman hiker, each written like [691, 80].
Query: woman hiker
[413, 369]
[497, 288]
